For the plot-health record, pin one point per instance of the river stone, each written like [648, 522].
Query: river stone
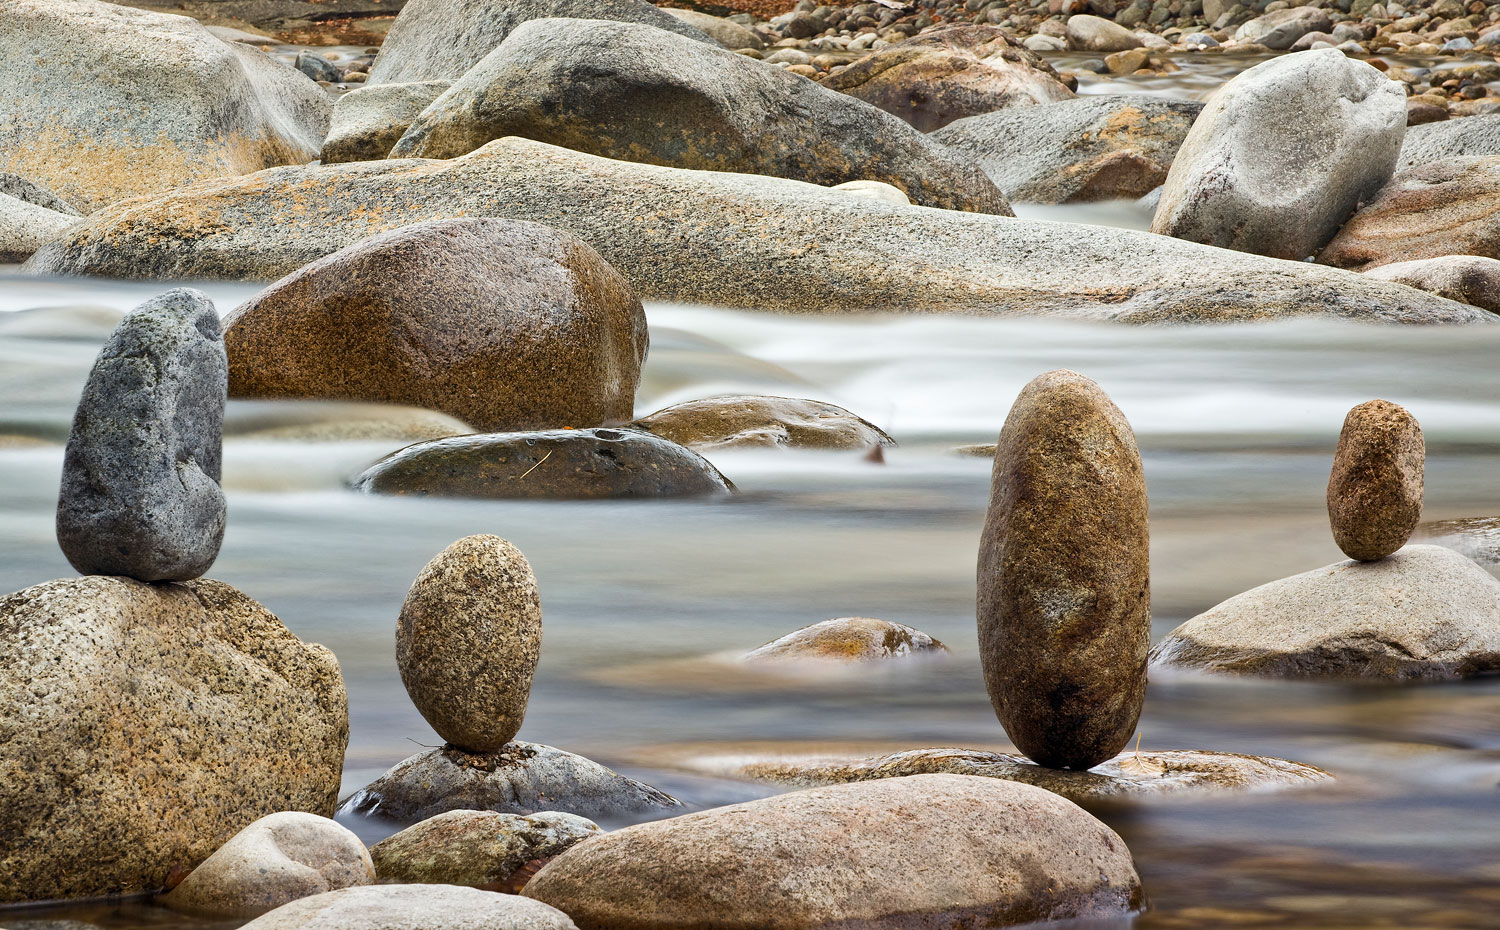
[727, 33]
[778, 245]
[278, 858]
[337, 421]
[1093, 34]
[584, 464]
[1469, 279]
[628, 91]
[1283, 154]
[468, 641]
[757, 421]
[140, 482]
[1064, 581]
[413, 907]
[13, 185]
[521, 778]
[502, 324]
[859, 855]
[483, 849]
[948, 73]
[1424, 613]
[164, 719]
[1281, 29]
[178, 104]
[1088, 148]
[848, 639]
[1375, 489]
[439, 40]
[1447, 207]
[368, 121]
[1474, 136]
[26, 227]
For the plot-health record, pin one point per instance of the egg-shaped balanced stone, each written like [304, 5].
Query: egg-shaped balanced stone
[1375, 489]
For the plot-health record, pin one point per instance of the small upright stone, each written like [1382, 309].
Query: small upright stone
[1064, 593]
[468, 640]
[1375, 489]
[140, 484]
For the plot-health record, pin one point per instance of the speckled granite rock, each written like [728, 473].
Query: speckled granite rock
[1279, 30]
[26, 227]
[1447, 207]
[1375, 489]
[368, 121]
[1087, 33]
[1468, 279]
[736, 421]
[848, 639]
[483, 849]
[1473, 136]
[413, 907]
[726, 32]
[14, 185]
[165, 719]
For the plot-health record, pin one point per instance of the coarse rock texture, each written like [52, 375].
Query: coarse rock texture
[1281, 29]
[1088, 148]
[633, 92]
[441, 39]
[278, 858]
[853, 855]
[778, 245]
[1473, 136]
[738, 421]
[848, 639]
[413, 907]
[164, 719]
[1283, 154]
[26, 227]
[482, 849]
[1468, 279]
[1425, 613]
[178, 104]
[949, 73]
[1064, 575]
[1087, 33]
[727, 33]
[1375, 488]
[368, 121]
[468, 640]
[584, 464]
[521, 778]
[1447, 207]
[502, 324]
[13, 185]
[140, 481]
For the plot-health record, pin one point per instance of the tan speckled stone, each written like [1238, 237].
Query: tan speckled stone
[753, 420]
[482, 849]
[1375, 489]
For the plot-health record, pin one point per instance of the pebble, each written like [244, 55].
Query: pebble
[1375, 489]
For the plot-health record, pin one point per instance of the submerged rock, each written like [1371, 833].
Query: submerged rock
[26, 227]
[848, 639]
[368, 121]
[1375, 490]
[1473, 136]
[482, 849]
[1447, 207]
[413, 907]
[752, 421]
[1468, 279]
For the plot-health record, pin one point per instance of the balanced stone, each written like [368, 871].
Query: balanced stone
[468, 640]
[1064, 594]
[140, 484]
[1375, 489]
[481, 849]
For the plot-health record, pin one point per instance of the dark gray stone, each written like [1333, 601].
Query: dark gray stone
[316, 67]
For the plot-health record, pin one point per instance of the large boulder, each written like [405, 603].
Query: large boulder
[939, 851]
[413, 907]
[481, 849]
[1088, 148]
[744, 421]
[776, 244]
[164, 719]
[1281, 29]
[1471, 136]
[1468, 279]
[26, 227]
[368, 121]
[441, 39]
[623, 90]
[1424, 613]
[1283, 154]
[726, 32]
[948, 73]
[178, 104]
[502, 324]
[1095, 34]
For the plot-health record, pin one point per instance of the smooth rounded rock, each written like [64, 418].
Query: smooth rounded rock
[1446, 207]
[753, 420]
[727, 33]
[1281, 29]
[481, 849]
[1094, 34]
[21, 188]
[1064, 580]
[140, 490]
[1375, 489]
[368, 121]
[468, 641]
[413, 907]
[848, 639]
[1470, 279]
[26, 227]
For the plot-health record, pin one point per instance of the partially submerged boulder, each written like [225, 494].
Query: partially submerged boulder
[848, 639]
[1447, 207]
[480, 849]
[738, 421]
[368, 121]
[413, 907]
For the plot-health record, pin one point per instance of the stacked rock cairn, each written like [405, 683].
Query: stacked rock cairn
[1375, 488]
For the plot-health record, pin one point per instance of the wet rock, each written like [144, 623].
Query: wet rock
[757, 421]
[140, 483]
[368, 121]
[164, 720]
[482, 849]
[1127, 62]
[778, 245]
[468, 640]
[278, 858]
[438, 40]
[729, 34]
[159, 123]
[1090, 148]
[948, 73]
[26, 227]
[13, 185]
[1272, 167]
[1011, 854]
[848, 639]
[1475, 136]
[316, 67]
[503, 324]
[623, 90]
[1425, 613]
[1064, 593]
[413, 907]
[1375, 490]
[1465, 278]
[1281, 30]
[1447, 207]
[521, 778]
[1092, 34]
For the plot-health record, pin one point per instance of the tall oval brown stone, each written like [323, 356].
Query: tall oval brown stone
[1064, 580]
[1375, 489]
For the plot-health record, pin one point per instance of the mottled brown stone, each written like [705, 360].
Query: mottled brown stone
[1064, 582]
[751, 420]
[1375, 489]
[848, 639]
[481, 849]
[1446, 207]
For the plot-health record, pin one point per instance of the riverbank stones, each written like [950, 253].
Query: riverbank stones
[468, 640]
[1375, 489]
[1064, 584]
[140, 492]
[480, 849]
